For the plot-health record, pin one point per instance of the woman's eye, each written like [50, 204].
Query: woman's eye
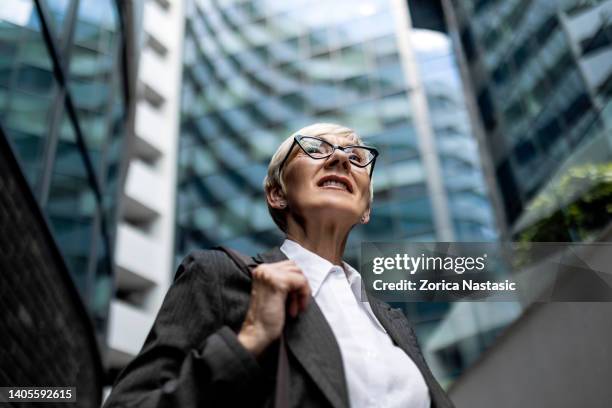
[356, 158]
[312, 149]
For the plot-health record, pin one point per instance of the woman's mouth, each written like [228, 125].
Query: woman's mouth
[336, 182]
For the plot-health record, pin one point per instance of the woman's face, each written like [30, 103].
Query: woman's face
[330, 187]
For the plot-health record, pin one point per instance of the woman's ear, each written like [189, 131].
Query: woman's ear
[365, 218]
[276, 198]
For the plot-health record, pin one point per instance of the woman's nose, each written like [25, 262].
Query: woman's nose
[339, 158]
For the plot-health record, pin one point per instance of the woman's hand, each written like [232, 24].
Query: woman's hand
[272, 283]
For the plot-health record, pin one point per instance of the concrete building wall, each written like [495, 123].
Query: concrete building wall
[557, 355]
[145, 235]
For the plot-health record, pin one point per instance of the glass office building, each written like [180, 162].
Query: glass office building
[450, 351]
[469, 206]
[542, 75]
[256, 71]
[63, 107]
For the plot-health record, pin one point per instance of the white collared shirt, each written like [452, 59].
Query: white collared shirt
[378, 373]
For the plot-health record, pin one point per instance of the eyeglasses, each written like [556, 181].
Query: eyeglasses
[315, 148]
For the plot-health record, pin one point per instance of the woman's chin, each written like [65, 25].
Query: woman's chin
[334, 209]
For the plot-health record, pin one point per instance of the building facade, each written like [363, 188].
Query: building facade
[63, 107]
[539, 80]
[255, 72]
[541, 75]
[463, 181]
[144, 249]
[65, 104]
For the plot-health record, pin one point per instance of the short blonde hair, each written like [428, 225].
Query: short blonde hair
[274, 177]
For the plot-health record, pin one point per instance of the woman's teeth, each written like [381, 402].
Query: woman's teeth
[335, 183]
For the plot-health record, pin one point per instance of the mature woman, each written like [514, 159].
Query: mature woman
[216, 341]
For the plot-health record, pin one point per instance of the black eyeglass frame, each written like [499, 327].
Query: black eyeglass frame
[297, 138]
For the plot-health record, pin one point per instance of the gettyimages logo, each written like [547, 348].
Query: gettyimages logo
[487, 271]
[412, 264]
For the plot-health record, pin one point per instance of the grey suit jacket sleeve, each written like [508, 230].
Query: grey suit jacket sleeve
[189, 359]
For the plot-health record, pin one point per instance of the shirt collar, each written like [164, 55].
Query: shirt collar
[354, 279]
[315, 268]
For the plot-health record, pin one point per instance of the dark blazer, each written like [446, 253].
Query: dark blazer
[192, 358]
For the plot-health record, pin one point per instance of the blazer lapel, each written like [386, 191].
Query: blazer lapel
[393, 325]
[312, 342]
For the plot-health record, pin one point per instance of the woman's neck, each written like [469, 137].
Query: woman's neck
[327, 241]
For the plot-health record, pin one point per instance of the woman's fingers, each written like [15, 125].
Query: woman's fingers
[301, 292]
[287, 277]
[293, 305]
[298, 292]
[295, 281]
[278, 288]
[304, 298]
